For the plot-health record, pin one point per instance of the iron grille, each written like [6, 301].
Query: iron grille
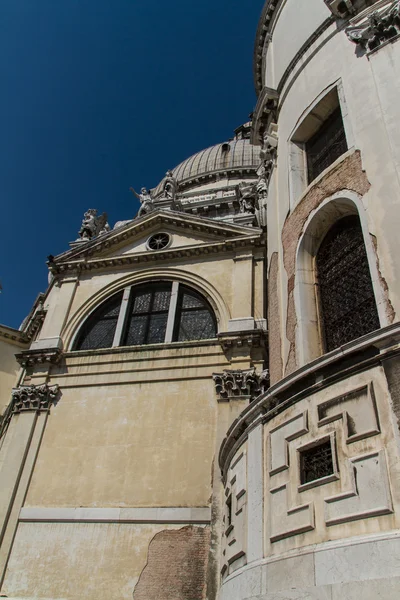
[195, 320]
[316, 462]
[149, 315]
[99, 329]
[326, 145]
[347, 300]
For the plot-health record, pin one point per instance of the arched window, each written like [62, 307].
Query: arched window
[346, 296]
[152, 313]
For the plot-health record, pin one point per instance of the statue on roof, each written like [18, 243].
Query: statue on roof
[247, 198]
[93, 225]
[170, 186]
[145, 199]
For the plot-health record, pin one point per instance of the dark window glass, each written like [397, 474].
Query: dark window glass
[147, 317]
[347, 300]
[326, 145]
[147, 322]
[316, 462]
[194, 320]
[99, 329]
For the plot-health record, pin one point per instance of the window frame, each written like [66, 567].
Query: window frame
[308, 124]
[174, 313]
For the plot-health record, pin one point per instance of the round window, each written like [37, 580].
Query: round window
[159, 241]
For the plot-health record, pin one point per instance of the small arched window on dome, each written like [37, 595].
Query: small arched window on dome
[152, 313]
[346, 296]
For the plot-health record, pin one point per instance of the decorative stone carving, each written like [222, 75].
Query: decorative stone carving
[29, 358]
[230, 384]
[170, 186]
[288, 520]
[358, 411]
[33, 397]
[247, 196]
[280, 438]
[93, 225]
[234, 542]
[146, 201]
[379, 27]
[370, 494]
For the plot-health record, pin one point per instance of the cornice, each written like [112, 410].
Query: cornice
[147, 222]
[263, 31]
[264, 34]
[235, 236]
[14, 336]
[354, 357]
[29, 358]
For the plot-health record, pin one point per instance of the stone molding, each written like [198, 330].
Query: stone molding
[240, 383]
[14, 336]
[263, 35]
[236, 339]
[235, 236]
[172, 514]
[33, 397]
[29, 358]
[358, 355]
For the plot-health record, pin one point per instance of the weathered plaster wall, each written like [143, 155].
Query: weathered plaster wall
[71, 561]
[348, 174]
[285, 45]
[148, 444]
[8, 371]
[274, 333]
[367, 87]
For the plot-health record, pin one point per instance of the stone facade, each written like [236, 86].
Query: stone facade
[251, 462]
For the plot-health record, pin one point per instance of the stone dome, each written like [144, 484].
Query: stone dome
[235, 155]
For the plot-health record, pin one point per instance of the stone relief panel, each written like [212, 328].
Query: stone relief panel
[370, 493]
[235, 518]
[321, 472]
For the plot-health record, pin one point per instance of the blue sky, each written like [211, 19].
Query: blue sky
[101, 95]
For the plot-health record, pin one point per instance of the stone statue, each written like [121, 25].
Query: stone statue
[88, 227]
[247, 198]
[379, 27]
[170, 186]
[93, 225]
[146, 201]
[102, 225]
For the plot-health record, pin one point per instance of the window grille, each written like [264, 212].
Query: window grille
[149, 315]
[195, 321]
[99, 329]
[325, 146]
[316, 462]
[347, 300]
[151, 318]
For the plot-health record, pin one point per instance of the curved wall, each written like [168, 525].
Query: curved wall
[335, 536]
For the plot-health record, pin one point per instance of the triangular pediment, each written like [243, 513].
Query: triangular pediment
[186, 233]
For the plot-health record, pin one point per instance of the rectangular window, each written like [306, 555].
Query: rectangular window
[316, 462]
[326, 145]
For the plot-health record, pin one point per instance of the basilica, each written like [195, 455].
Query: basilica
[205, 402]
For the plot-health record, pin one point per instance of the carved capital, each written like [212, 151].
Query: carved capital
[230, 384]
[33, 397]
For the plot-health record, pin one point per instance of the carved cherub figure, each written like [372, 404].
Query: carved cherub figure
[88, 227]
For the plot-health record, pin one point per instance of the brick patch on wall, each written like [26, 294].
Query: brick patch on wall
[274, 333]
[347, 175]
[176, 566]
